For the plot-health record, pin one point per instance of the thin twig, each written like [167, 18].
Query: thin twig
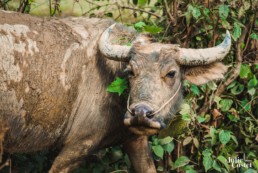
[56, 7]
[22, 6]
[236, 71]
[171, 18]
[204, 126]
[6, 163]
[97, 6]
[175, 2]
[50, 8]
[120, 7]
[206, 99]
[141, 10]
[249, 33]
[239, 59]
[92, 3]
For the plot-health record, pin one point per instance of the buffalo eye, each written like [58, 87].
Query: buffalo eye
[129, 72]
[171, 74]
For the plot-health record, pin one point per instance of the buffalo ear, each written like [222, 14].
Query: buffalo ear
[199, 75]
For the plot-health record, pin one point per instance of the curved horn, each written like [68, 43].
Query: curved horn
[113, 52]
[205, 56]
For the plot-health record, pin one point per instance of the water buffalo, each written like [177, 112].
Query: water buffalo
[53, 79]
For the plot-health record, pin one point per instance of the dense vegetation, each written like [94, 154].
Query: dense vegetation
[217, 122]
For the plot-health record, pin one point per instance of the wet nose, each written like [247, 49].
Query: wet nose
[142, 110]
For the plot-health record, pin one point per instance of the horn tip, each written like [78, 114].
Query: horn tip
[228, 35]
[110, 28]
[227, 41]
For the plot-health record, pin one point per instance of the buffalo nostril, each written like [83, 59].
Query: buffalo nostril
[133, 112]
[149, 114]
[143, 111]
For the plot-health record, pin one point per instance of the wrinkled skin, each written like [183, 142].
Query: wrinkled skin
[53, 81]
[154, 78]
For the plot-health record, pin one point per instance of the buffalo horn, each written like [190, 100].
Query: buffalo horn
[205, 56]
[113, 52]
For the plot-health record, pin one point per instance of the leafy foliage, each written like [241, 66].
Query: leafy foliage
[118, 86]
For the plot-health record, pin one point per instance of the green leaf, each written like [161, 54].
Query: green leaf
[226, 104]
[254, 36]
[207, 162]
[200, 119]
[224, 136]
[139, 25]
[232, 118]
[165, 140]
[234, 139]
[158, 151]
[213, 135]
[187, 140]
[152, 29]
[247, 5]
[224, 161]
[252, 83]
[246, 104]
[185, 109]
[118, 86]
[244, 71]
[232, 85]
[169, 147]
[238, 89]
[216, 166]
[195, 90]
[198, 38]
[142, 2]
[217, 101]
[196, 12]
[212, 85]
[206, 12]
[225, 24]
[186, 117]
[241, 11]
[223, 11]
[207, 152]
[255, 163]
[237, 31]
[196, 142]
[250, 171]
[160, 168]
[155, 140]
[252, 91]
[189, 169]
[188, 18]
[181, 161]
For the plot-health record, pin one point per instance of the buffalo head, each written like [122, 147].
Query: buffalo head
[155, 73]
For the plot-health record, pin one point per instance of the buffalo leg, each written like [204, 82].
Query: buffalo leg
[140, 155]
[70, 157]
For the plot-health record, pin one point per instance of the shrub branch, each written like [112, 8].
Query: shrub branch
[170, 16]
[232, 77]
